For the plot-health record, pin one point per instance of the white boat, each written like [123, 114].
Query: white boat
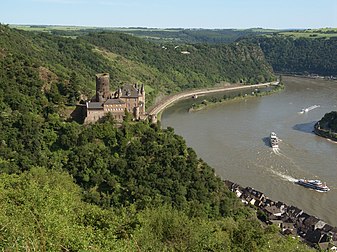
[273, 140]
[305, 110]
[313, 184]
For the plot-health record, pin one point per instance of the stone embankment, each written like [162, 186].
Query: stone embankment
[153, 112]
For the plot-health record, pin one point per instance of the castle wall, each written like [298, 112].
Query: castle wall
[93, 115]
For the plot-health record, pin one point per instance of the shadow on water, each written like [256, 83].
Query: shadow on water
[305, 127]
[266, 141]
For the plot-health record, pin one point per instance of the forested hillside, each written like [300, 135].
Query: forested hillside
[209, 36]
[61, 60]
[299, 55]
[138, 188]
[189, 66]
[71, 187]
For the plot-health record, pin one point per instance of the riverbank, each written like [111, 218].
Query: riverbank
[291, 220]
[213, 101]
[325, 133]
[168, 101]
[326, 127]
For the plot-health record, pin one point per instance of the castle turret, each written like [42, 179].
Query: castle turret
[102, 86]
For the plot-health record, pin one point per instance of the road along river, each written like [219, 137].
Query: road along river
[232, 137]
[188, 94]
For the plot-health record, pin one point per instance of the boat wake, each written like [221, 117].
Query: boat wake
[277, 151]
[284, 176]
[288, 161]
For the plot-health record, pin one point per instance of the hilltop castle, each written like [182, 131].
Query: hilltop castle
[130, 98]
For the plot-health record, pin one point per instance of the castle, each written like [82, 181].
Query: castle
[130, 98]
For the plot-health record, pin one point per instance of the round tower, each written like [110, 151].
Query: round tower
[102, 87]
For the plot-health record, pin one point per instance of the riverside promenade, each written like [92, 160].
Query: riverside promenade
[169, 100]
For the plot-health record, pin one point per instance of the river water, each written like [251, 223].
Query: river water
[233, 138]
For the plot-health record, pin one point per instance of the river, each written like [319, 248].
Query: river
[232, 137]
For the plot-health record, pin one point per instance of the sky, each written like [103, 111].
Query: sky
[240, 14]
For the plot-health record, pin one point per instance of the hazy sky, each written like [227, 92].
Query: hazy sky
[174, 13]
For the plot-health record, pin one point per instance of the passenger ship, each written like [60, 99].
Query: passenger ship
[273, 140]
[313, 184]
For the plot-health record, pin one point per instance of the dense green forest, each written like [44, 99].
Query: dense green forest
[201, 65]
[329, 121]
[71, 187]
[71, 63]
[299, 55]
[309, 51]
[209, 36]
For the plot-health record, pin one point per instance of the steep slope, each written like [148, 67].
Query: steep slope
[189, 66]
[66, 66]
[299, 55]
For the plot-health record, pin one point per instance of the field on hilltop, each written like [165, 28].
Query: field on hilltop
[312, 33]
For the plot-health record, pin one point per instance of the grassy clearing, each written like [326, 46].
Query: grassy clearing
[312, 33]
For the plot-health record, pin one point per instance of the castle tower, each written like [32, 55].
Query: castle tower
[102, 87]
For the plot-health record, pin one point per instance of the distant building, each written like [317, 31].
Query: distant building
[130, 98]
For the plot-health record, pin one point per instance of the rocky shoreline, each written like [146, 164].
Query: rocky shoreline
[324, 133]
[290, 219]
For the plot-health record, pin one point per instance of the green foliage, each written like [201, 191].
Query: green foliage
[64, 68]
[205, 65]
[327, 126]
[123, 174]
[43, 211]
[176, 35]
[329, 121]
[299, 55]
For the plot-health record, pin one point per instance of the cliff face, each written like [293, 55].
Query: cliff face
[327, 126]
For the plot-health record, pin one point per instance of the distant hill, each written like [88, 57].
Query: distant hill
[165, 35]
[301, 51]
[299, 55]
[189, 65]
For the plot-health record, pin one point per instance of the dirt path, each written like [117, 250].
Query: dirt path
[174, 98]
